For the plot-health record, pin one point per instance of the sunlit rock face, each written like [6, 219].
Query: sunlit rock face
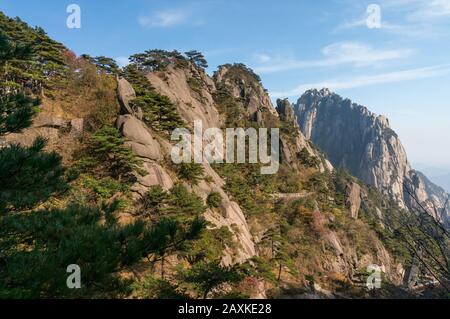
[363, 143]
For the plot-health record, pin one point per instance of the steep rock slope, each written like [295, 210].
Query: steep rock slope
[364, 143]
[191, 89]
[342, 258]
[254, 106]
[153, 150]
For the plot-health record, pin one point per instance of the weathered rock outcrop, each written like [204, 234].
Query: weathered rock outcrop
[231, 216]
[126, 94]
[246, 87]
[139, 137]
[289, 151]
[286, 112]
[356, 139]
[52, 128]
[353, 199]
[191, 90]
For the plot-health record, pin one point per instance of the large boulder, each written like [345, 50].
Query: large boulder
[139, 137]
[192, 91]
[126, 94]
[28, 136]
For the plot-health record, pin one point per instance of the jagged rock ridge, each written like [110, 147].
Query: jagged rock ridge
[364, 143]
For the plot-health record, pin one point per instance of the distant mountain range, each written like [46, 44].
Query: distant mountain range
[443, 181]
[438, 175]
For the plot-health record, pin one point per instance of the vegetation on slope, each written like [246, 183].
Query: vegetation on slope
[71, 208]
[54, 216]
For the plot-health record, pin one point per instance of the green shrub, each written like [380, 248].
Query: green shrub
[214, 200]
[155, 288]
[183, 203]
[204, 277]
[307, 159]
[29, 175]
[191, 172]
[179, 202]
[106, 187]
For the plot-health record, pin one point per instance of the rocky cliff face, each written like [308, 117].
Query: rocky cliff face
[364, 143]
[246, 87]
[193, 104]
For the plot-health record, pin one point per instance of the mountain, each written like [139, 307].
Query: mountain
[431, 171]
[443, 180]
[360, 141]
[100, 192]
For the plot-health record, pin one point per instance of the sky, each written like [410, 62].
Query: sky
[397, 62]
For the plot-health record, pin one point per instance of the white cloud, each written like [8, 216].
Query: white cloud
[360, 54]
[164, 19]
[351, 53]
[263, 58]
[122, 61]
[361, 81]
[356, 23]
[403, 30]
[429, 10]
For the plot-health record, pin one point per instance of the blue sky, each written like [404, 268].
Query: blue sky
[401, 70]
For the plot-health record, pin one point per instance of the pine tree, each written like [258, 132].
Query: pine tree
[29, 176]
[36, 248]
[104, 63]
[10, 50]
[140, 83]
[197, 58]
[191, 172]
[159, 112]
[156, 60]
[37, 60]
[206, 276]
[107, 149]
[16, 112]
[170, 236]
[155, 200]
[214, 200]
[184, 204]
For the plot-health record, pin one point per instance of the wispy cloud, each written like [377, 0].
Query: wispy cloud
[403, 30]
[414, 18]
[430, 10]
[262, 58]
[165, 19]
[361, 81]
[351, 53]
